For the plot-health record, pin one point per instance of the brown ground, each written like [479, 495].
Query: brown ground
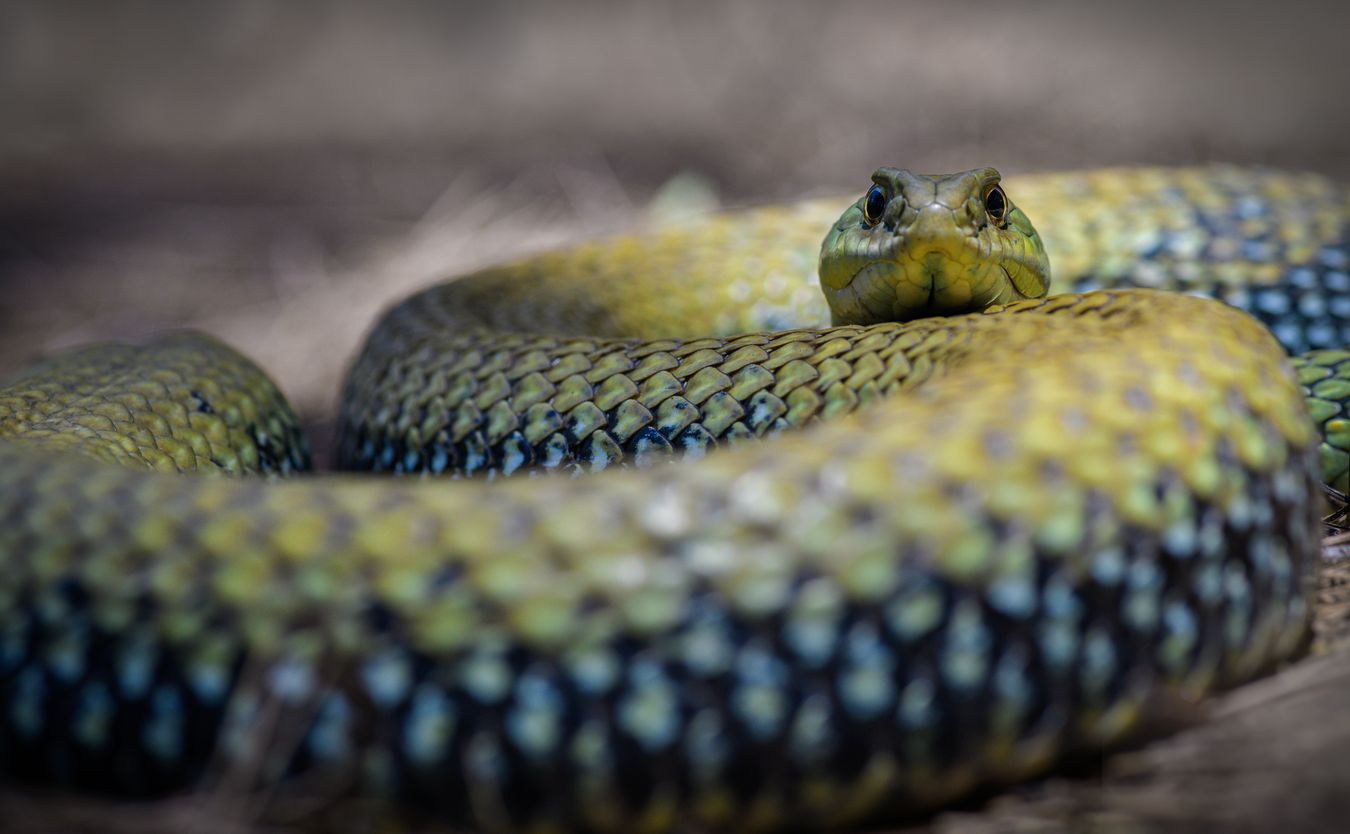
[278, 172]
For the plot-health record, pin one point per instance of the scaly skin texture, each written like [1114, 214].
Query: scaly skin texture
[1046, 517]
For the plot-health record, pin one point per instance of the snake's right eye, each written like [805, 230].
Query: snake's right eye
[874, 205]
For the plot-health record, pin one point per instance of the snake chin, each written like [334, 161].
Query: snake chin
[919, 285]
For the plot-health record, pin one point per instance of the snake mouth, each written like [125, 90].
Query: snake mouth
[946, 279]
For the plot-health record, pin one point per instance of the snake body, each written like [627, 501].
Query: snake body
[1045, 518]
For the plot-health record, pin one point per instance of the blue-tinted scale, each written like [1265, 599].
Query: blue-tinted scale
[1335, 257]
[919, 608]
[813, 637]
[163, 732]
[648, 711]
[291, 680]
[1211, 536]
[594, 454]
[366, 455]
[1291, 334]
[1013, 596]
[1108, 567]
[1239, 297]
[1239, 612]
[866, 682]
[210, 681]
[241, 714]
[429, 725]
[1059, 600]
[695, 441]
[758, 697]
[27, 712]
[1259, 251]
[484, 760]
[14, 642]
[1240, 513]
[516, 453]
[591, 751]
[646, 443]
[964, 656]
[707, 747]
[1281, 570]
[1181, 631]
[330, 738]
[94, 710]
[1273, 301]
[594, 672]
[486, 675]
[477, 454]
[1179, 539]
[1099, 660]
[917, 708]
[1287, 486]
[1207, 583]
[1013, 686]
[65, 655]
[1144, 586]
[1322, 335]
[1249, 208]
[1058, 642]
[387, 677]
[812, 738]
[1262, 508]
[1154, 245]
[706, 645]
[135, 666]
[554, 452]
[1303, 278]
[388, 454]
[534, 722]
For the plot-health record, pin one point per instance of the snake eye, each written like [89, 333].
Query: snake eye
[996, 203]
[874, 205]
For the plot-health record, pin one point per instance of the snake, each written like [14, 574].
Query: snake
[882, 521]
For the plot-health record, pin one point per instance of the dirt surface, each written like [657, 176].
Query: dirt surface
[278, 172]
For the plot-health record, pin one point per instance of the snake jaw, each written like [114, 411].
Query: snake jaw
[921, 282]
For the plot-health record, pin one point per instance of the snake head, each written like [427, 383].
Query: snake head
[916, 245]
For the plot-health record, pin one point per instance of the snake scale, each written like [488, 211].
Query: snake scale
[977, 542]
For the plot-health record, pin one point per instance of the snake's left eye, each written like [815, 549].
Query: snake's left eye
[874, 205]
[996, 203]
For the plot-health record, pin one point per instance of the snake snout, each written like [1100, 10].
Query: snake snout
[939, 225]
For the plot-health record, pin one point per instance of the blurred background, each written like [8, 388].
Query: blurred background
[278, 172]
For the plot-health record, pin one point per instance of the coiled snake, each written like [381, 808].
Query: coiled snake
[1037, 521]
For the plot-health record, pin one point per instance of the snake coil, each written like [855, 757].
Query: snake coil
[960, 547]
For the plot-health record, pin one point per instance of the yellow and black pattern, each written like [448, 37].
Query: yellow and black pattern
[1045, 517]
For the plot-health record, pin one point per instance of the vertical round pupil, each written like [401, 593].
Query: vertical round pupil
[875, 205]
